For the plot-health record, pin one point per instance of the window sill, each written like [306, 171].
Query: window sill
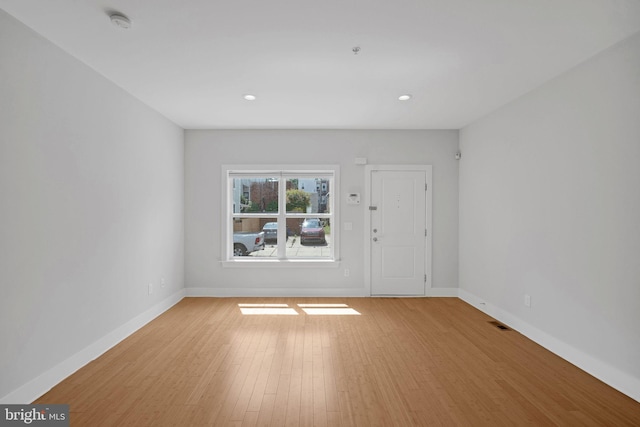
[281, 263]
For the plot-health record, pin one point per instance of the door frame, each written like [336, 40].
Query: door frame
[428, 219]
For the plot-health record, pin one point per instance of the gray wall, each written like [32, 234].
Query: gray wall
[550, 207]
[91, 193]
[206, 151]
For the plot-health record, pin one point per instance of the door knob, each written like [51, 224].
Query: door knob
[375, 239]
[375, 230]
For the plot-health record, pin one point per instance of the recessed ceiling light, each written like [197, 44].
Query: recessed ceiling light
[120, 21]
[404, 97]
[249, 97]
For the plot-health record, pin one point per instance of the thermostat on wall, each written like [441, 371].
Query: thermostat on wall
[353, 199]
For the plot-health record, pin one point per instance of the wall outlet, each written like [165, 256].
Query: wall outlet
[346, 272]
[150, 288]
[527, 300]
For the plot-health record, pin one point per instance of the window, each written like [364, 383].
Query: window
[276, 214]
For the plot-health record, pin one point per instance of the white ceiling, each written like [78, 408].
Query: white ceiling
[192, 60]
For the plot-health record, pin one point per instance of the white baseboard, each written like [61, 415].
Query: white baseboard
[621, 381]
[43, 383]
[442, 292]
[297, 292]
[275, 292]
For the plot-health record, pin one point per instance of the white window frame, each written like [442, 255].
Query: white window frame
[229, 172]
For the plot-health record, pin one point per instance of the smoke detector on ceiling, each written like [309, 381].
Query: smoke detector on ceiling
[120, 21]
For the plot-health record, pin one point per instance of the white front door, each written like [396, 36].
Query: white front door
[398, 232]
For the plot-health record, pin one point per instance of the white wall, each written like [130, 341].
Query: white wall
[550, 207]
[206, 151]
[91, 194]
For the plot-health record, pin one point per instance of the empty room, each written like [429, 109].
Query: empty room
[342, 213]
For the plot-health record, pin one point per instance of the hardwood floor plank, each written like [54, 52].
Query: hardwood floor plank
[267, 406]
[258, 392]
[281, 401]
[329, 374]
[250, 419]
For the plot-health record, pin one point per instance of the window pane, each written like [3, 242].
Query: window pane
[311, 240]
[255, 194]
[307, 195]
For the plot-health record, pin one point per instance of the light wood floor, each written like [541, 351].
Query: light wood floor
[422, 361]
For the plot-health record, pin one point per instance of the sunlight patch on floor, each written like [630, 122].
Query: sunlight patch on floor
[269, 310]
[328, 309]
[322, 305]
[331, 309]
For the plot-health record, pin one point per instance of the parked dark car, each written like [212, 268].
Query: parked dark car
[312, 232]
[270, 232]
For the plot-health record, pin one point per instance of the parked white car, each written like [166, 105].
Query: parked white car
[246, 242]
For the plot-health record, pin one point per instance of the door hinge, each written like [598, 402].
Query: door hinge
[425, 278]
[425, 232]
[426, 187]
[373, 208]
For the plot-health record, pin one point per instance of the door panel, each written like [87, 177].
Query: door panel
[398, 261]
[398, 225]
